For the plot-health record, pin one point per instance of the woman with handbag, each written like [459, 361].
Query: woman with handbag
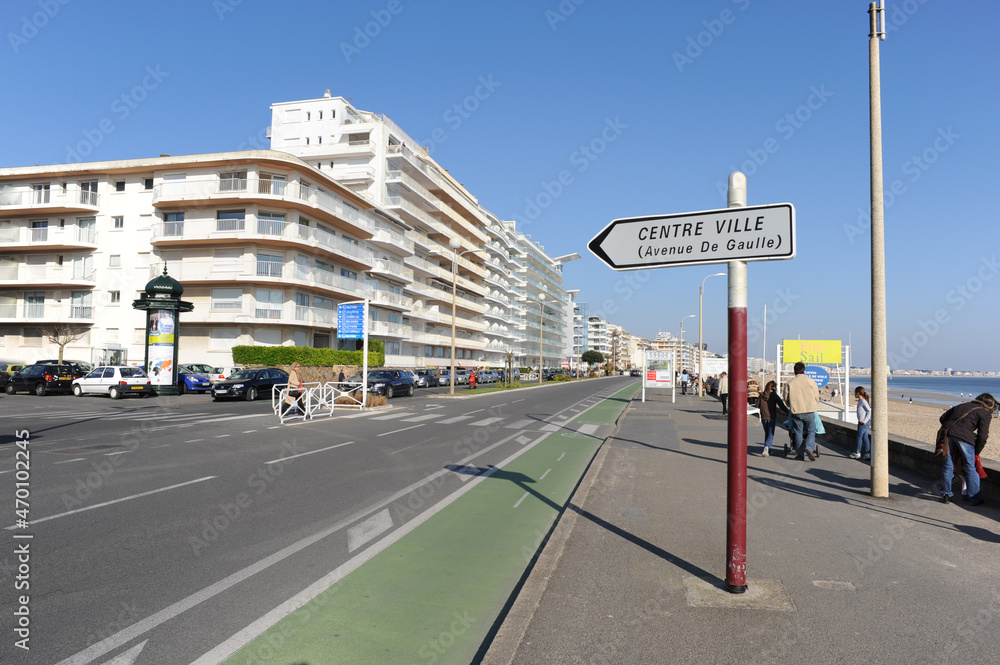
[864, 449]
[960, 426]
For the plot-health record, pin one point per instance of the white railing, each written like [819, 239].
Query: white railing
[271, 186]
[230, 224]
[88, 198]
[232, 184]
[271, 226]
[270, 268]
[81, 312]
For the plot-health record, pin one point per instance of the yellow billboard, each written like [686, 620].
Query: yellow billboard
[815, 351]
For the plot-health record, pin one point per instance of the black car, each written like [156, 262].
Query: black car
[386, 382]
[79, 367]
[42, 379]
[250, 384]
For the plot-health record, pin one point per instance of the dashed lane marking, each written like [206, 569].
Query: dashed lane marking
[396, 431]
[456, 419]
[311, 452]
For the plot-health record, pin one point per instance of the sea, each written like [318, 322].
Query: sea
[944, 390]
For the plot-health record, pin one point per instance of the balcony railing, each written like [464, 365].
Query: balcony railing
[271, 186]
[38, 234]
[34, 310]
[270, 268]
[71, 197]
[81, 312]
[88, 198]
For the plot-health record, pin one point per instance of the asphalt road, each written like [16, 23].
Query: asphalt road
[160, 528]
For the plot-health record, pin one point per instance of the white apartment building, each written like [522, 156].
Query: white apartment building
[264, 244]
[499, 273]
[598, 336]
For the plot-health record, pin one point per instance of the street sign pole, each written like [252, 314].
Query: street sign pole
[736, 485]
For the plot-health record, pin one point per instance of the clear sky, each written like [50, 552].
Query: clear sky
[643, 107]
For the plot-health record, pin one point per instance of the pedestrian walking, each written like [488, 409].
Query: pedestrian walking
[803, 402]
[864, 449]
[962, 425]
[685, 378]
[768, 402]
[295, 390]
[724, 391]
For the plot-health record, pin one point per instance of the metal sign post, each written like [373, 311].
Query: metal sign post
[352, 323]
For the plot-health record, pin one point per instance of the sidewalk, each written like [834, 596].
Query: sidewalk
[635, 570]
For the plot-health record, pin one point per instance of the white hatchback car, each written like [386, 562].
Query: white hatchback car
[222, 373]
[114, 381]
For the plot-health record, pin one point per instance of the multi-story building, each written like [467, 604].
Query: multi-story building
[598, 336]
[264, 244]
[580, 315]
[496, 274]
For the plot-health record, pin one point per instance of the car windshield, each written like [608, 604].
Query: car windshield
[243, 376]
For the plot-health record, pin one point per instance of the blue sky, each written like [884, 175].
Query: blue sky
[684, 92]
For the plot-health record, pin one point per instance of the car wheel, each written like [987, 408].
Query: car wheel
[78, 391]
[10, 389]
[410, 394]
[388, 392]
[114, 392]
[251, 394]
[40, 390]
[181, 388]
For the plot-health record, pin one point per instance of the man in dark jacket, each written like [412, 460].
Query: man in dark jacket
[966, 423]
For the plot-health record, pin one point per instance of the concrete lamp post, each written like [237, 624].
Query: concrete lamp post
[701, 365]
[681, 363]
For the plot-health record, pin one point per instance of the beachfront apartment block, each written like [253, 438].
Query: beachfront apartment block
[267, 243]
[509, 293]
[264, 245]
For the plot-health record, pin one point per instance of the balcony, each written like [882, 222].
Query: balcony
[391, 300]
[265, 192]
[266, 231]
[48, 276]
[391, 269]
[51, 201]
[393, 240]
[210, 272]
[40, 314]
[387, 329]
[22, 237]
[353, 175]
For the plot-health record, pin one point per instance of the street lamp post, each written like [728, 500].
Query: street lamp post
[541, 335]
[689, 316]
[701, 364]
[455, 242]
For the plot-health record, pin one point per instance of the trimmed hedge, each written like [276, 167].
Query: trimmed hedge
[308, 356]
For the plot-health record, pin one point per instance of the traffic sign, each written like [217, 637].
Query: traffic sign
[351, 321]
[752, 233]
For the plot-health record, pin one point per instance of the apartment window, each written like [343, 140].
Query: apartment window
[147, 184]
[39, 230]
[86, 229]
[358, 139]
[320, 115]
[440, 352]
[115, 261]
[319, 139]
[393, 318]
[230, 220]
[118, 222]
[88, 193]
[31, 337]
[34, 304]
[270, 224]
[173, 224]
[114, 297]
[349, 274]
[333, 113]
[270, 265]
[269, 303]
[393, 348]
[81, 305]
[227, 300]
[271, 184]
[307, 140]
[429, 351]
[308, 116]
[349, 239]
[119, 185]
[41, 193]
[111, 335]
[223, 339]
[233, 181]
[83, 266]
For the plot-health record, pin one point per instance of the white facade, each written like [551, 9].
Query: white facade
[499, 271]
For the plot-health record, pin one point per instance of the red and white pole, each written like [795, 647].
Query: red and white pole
[736, 479]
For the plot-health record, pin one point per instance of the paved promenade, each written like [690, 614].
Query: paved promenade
[635, 570]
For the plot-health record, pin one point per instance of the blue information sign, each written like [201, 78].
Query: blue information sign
[818, 374]
[351, 321]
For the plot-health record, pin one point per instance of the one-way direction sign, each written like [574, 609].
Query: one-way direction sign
[753, 233]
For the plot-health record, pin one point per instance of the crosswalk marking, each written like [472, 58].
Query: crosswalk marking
[417, 419]
[455, 419]
[521, 424]
[390, 416]
[484, 422]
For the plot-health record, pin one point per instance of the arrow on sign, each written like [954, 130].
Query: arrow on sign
[754, 233]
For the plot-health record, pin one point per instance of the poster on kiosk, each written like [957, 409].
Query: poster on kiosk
[659, 370]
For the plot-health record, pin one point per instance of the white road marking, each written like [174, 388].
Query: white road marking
[469, 413]
[551, 428]
[119, 452]
[371, 528]
[194, 440]
[521, 424]
[165, 445]
[249, 431]
[396, 431]
[128, 657]
[67, 461]
[484, 422]
[417, 419]
[285, 459]
[390, 416]
[407, 447]
[108, 503]
[523, 497]
[523, 440]
[560, 457]
[222, 436]
[588, 428]
[542, 477]
[519, 400]
[258, 627]
[456, 419]
[434, 406]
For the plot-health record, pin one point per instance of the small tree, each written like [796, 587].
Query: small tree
[592, 357]
[62, 334]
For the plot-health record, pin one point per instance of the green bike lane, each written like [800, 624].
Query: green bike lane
[434, 595]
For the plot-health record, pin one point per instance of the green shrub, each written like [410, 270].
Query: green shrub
[561, 377]
[308, 356]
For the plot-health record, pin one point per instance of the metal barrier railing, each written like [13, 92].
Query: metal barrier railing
[315, 400]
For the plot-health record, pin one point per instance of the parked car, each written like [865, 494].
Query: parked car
[189, 382]
[634, 372]
[426, 378]
[11, 366]
[222, 373]
[388, 382]
[114, 381]
[461, 377]
[79, 366]
[198, 368]
[250, 384]
[42, 379]
[490, 376]
[516, 374]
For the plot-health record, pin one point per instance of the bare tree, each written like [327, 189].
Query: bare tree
[62, 334]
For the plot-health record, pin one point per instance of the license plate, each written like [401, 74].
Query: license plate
[65, 378]
[221, 392]
[136, 387]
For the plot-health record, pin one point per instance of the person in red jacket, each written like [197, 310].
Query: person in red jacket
[472, 380]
